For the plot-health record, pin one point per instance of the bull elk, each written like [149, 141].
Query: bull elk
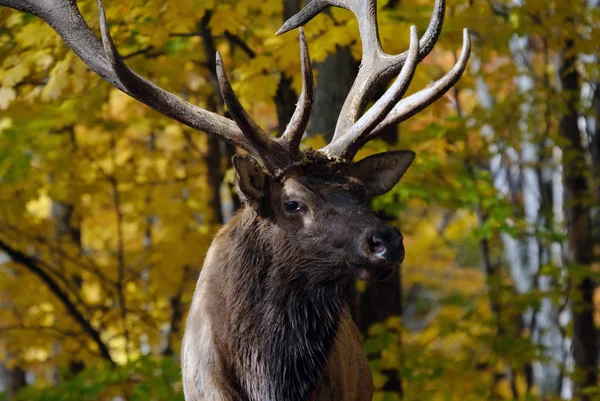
[269, 319]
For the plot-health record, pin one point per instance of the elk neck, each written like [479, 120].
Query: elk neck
[273, 317]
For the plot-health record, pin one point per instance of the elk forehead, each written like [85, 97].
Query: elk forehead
[340, 191]
[322, 176]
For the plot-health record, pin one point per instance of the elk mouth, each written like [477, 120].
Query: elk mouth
[373, 272]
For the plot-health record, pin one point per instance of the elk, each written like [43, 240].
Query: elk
[269, 320]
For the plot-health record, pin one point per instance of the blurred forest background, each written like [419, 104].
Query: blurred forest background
[107, 208]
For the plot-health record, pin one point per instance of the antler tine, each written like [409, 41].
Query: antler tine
[292, 136]
[418, 101]
[377, 66]
[346, 146]
[273, 155]
[311, 10]
[102, 57]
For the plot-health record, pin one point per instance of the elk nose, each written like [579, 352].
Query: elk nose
[386, 246]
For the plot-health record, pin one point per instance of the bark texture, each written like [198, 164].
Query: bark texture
[335, 76]
[579, 227]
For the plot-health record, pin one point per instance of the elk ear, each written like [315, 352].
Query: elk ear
[250, 178]
[379, 173]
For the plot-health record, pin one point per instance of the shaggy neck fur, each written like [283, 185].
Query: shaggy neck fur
[273, 321]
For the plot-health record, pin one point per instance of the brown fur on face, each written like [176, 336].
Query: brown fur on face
[269, 320]
[333, 221]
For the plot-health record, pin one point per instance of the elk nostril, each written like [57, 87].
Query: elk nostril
[377, 246]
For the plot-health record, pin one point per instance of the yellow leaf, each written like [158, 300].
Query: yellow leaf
[379, 380]
[7, 96]
[225, 18]
[34, 34]
[14, 75]
[40, 207]
[314, 142]
[58, 81]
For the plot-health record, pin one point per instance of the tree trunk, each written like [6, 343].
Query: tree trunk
[577, 196]
[595, 152]
[335, 76]
[215, 177]
[15, 381]
[216, 149]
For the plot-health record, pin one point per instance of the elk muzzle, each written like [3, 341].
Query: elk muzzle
[381, 251]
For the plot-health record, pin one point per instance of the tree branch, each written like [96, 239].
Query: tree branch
[177, 310]
[145, 50]
[237, 41]
[116, 197]
[32, 265]
[233, 39]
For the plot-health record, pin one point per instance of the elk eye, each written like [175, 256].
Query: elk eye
[291, 207]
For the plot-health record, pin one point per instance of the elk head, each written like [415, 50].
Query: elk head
[316, 200]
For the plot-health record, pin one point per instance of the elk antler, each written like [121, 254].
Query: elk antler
[353, 131]
[102, 57]
[295, 129]
[287, 147]
[265, 143]
[276, 154]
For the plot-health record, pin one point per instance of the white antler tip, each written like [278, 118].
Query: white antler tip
[466, 42]
[414, 37]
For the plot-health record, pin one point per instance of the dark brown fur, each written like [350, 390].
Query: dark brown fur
[274, 287]
[288, 317]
